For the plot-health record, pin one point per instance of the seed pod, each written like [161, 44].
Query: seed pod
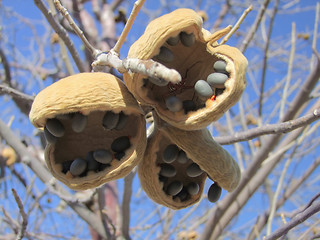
[214, 192]
[79, 122]
[55, 127]
[194, 61]
[78, 166]
[91, 94]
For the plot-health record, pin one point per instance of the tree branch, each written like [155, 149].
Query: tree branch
[23, 215]
[16, 94]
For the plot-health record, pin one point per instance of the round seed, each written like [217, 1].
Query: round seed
[92, 163]
[187, 39]
[165, 55]
[203, 89]
[123, 119]
[102, 156]
[55, 127]
[162, 178]
[193, 188]
[188, 106]
[110, 120]
[66, 166]
[217, 80]
[78, 166]
[173, 41]
[174, 188]
[174, 104]
[65, 116]
[49, 137]
[214, 192]
[119, 155]
[220, 66]
[182, 157]
[158, 81]
[194, 170]
[79, 122]
[183, 194]
[167, 170]
[120, 144]
[170, 153]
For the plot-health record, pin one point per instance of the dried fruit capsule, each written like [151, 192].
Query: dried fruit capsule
[120, 144]
[55, 127]
[193, 188]
[220, 66]
[49, 137]
[217, 80]
[214, 192]
[78, 166]
[102, 156]
[79, 122]
[203, 89]
[167, 170]
[165, 55]
[170, 153]
[110, 120]
[174, 188]
[123, 119]
[187, 39]
[194, 170]
[174, 104]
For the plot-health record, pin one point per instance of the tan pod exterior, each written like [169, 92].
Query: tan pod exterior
[193, 63]
[90, 94]
[201, 149]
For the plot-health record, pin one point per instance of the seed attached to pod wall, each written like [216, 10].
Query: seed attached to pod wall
[214, 192]
[55, 127]
[220, 66]
[187, 39]
[174, 188]
[49, 137]
[78, 166]
[170, 153]
[217, 80]
[173, 41]
[79, 122]
[110, 120]
[174, 104]
[182, 157]
[188, 106]
[194, 170]
[123, 119]
[93, 165]
[102, 156]
[119, 155]
[167, 170]
[183, 195]
[193, 188]
[203, 89]
[120, 144]
[165, 55]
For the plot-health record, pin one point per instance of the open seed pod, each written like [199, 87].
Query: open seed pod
[177, 163]
[213, 76]
[95, 129]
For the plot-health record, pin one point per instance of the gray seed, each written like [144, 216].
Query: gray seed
[78, 166]
[193, 188]
[220, 66]
[79, 122]
[173, 41]
[174, 104]
[110, 120]
[120, 144]
[66, 116]
[217, 80]
[165, 55]
[123, 119]
[55, 127]
[189, 105]
[91, 162]
[170, 154]
[158, 81]
[167, 170]
[214, 192]
[182, 157]
[49, 137]
[183, 194]
[203, 89]
[174, 188]
[194, 170]
[102, 156]
[187, 39]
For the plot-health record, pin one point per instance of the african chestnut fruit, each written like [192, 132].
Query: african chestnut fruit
[95, 129]
[213, 75]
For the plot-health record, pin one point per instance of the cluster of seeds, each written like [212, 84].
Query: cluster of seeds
[181, 177]
[174, 95]
[96, 159]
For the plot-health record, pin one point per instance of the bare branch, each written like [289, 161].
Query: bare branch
[24, 216]
[16, 94]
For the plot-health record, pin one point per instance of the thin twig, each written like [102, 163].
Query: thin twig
[270, 129]
[24, 216]
[237, 25]
[136, 8]
[315, 33]
[15, 93]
